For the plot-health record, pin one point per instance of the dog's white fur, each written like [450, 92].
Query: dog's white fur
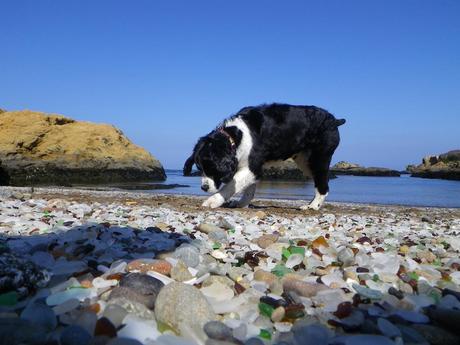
[316, 203]
[206, 181]
[243, 180]
[245, 147]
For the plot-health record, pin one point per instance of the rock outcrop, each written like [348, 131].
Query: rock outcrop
[286, 170]
[444, 166]
[38, 148]
[282, 170]
[345, 168]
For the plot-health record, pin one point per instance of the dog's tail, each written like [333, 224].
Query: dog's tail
[340, 122]
[187, 171]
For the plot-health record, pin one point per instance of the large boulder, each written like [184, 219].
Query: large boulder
[443, 166]
[346, 168]
[39, 148]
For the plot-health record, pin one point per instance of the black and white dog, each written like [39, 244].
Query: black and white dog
[233, 154]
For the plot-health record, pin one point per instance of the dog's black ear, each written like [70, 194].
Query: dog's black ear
[187, 171]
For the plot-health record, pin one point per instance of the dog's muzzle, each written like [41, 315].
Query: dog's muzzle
[207, 185]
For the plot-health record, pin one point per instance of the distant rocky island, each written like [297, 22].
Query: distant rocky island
[345, 168]
[282, 170]
[288, 170]
[443, 166]
[38, 148]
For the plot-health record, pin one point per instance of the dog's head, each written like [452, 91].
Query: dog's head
[215, 156]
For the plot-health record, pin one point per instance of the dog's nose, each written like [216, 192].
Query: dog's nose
[205, 187]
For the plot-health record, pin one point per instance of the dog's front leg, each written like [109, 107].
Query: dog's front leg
[241, 180]
[247, 196]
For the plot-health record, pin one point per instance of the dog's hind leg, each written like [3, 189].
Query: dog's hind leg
[319, 162]
[304, 160]
[319, 165]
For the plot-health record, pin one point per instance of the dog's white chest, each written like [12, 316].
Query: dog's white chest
[245, 147]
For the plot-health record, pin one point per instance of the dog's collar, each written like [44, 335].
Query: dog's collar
[232, 141]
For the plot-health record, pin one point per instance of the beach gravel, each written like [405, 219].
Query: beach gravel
[111, 267]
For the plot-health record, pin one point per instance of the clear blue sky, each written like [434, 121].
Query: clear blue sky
[166, 72]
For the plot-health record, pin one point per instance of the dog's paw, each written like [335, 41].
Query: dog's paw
[231, 204]
[235, 204]
[312, 206]
[214, 201]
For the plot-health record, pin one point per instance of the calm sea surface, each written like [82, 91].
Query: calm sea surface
[404, 190]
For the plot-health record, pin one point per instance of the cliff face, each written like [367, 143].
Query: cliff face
[443, 166]
[39, 148]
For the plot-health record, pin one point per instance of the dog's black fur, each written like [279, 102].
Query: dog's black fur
[278, 132]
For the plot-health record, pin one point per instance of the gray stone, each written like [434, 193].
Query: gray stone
[346, 256]
[142, 284]
[179, 303]
[218, 236]
[314, 334]
[412, 316]
[137, 287]
[218, 330]
[410, 335]
[208, 228]
[133, 307]
[75, 335]
[180, 272]
[367, 292]
[387, 328]
[40, 315]
[115, 314]
[87, 320]
[132, 295]
[189, 254]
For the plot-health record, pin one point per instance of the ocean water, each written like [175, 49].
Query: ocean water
[404, 190]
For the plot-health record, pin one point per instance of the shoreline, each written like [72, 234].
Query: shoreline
[178, 199]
